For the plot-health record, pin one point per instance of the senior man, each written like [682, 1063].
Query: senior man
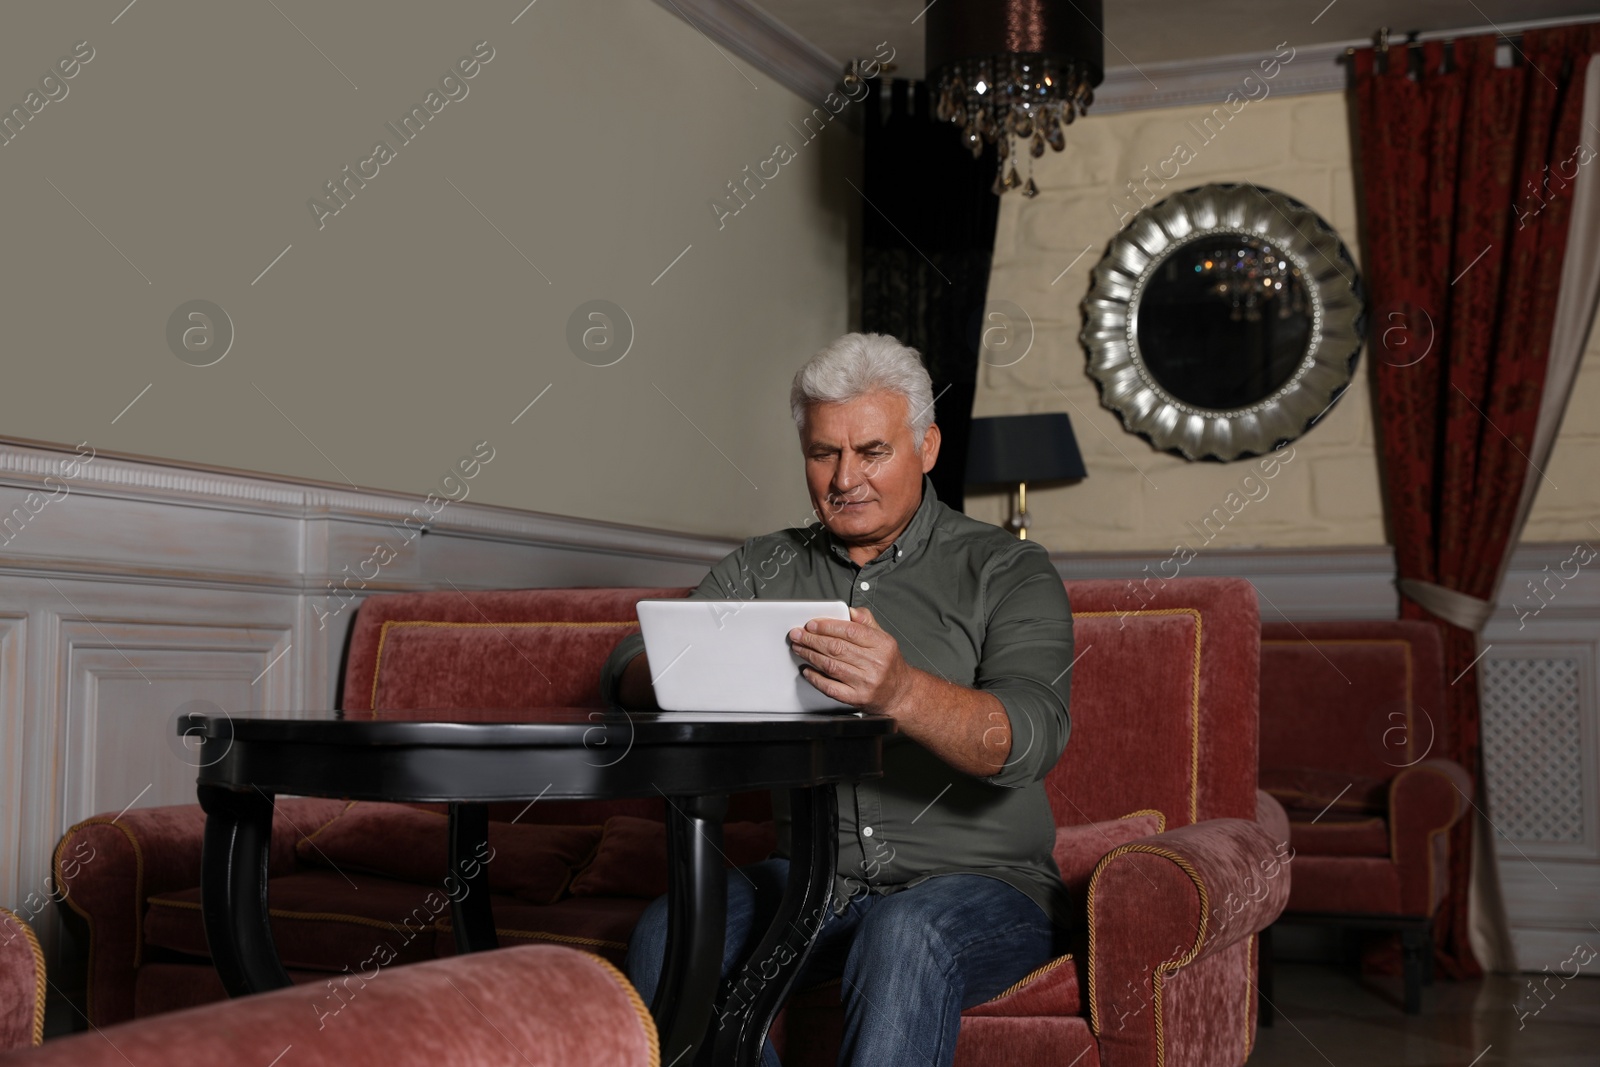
[947, 893]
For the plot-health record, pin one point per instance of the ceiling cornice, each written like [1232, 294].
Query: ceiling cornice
[763, 42]
[750, 33]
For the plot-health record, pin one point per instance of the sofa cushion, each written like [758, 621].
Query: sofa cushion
[632, 858]
[532, 861]
[1079, 848]
[601, 925]
[1308, 791]
[1346, 884]
[1337, 834]
[321, 920]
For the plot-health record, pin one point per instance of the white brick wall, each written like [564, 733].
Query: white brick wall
[1136, 499]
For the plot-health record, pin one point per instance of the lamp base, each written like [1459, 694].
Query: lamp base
[1017, 520]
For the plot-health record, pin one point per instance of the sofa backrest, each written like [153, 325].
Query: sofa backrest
[1164, 712]
[1164, 689]
[504, 649]
[1357, 699]
[516, 649]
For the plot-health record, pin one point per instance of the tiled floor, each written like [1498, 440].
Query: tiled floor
[1330, 1015]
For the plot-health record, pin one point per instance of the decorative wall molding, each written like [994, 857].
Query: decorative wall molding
[1317, 68]
[765, 43]
[140, 489]
[791, 60]
[1295, 584]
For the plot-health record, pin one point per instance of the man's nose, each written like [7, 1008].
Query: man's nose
[846, 476]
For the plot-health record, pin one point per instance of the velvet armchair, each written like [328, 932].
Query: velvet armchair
[534, 1006]
[1175, 858]
[22, 983]
[1350, 712]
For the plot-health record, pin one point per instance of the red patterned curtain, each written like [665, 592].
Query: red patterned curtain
[1466, 173]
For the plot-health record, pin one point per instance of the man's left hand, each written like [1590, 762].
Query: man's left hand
[855, 662]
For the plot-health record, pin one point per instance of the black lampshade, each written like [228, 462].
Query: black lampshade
[1008, 449]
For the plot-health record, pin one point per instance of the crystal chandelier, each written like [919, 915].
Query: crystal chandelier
[1251, 278]
[1014, 73]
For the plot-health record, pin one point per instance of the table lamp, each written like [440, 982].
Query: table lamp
[1018, 449]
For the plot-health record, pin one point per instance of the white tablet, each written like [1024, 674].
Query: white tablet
[732, 655]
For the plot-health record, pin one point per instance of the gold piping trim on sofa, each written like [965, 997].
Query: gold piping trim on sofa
[1162, 969]
[646, 1020]
[446, 927]
[138, 897]
[1037, 972]
[1249, 1001]
[1394, 852]
[312, 836]
[308, 916]
[1161, 820]
[1194, 699]
[383, 635]
[40, 979]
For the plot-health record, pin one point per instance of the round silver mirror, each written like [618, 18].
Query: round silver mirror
[1223, 322]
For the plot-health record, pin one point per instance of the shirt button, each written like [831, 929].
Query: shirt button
[866, 585]
[866, 831]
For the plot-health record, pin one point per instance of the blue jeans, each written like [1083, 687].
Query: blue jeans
[910, 961]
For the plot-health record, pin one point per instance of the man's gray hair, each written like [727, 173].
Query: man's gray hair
[861, 363]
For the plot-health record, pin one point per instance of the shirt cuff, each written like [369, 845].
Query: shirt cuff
[1036, 737]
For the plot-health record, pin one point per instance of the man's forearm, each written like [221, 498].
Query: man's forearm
[633, 687]
[967, 728]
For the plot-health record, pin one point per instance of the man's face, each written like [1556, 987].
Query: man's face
[862, 467]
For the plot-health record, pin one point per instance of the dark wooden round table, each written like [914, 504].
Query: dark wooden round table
[469, 758]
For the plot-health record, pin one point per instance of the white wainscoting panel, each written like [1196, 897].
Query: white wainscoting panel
[130, 588]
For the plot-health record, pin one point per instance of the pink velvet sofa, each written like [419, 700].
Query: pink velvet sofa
[535, 1006]
[1161, 830]
[1351, 714]
[22, 983]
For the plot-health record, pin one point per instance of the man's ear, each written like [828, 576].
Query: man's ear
[930, 448]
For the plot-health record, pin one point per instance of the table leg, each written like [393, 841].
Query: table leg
[470, 911]
[697, 922]
[752, 1000]
[233, 889]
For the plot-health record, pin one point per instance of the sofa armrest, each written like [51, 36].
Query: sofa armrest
[1169, 901]
[22, 983]
[1273, 819]
[108, 867]
[528, 1006]
[1425, 801]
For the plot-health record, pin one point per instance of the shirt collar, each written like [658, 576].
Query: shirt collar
[911, 538]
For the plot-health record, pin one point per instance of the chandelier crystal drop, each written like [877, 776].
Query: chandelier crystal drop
[1015, 74]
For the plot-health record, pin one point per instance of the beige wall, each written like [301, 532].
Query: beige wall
[383, 346]
[1136, 499]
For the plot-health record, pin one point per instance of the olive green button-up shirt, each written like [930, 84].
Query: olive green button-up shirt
[970, 603]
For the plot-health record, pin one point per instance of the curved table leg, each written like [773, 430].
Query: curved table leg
[470, 912]
[752, 999]
[233, 889]
[697, 921]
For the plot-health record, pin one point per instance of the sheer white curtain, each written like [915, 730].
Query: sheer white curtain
[1576, 305]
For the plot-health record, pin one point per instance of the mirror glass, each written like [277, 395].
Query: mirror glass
[1224, 321]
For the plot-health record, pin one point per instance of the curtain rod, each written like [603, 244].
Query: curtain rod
[1510, 32]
